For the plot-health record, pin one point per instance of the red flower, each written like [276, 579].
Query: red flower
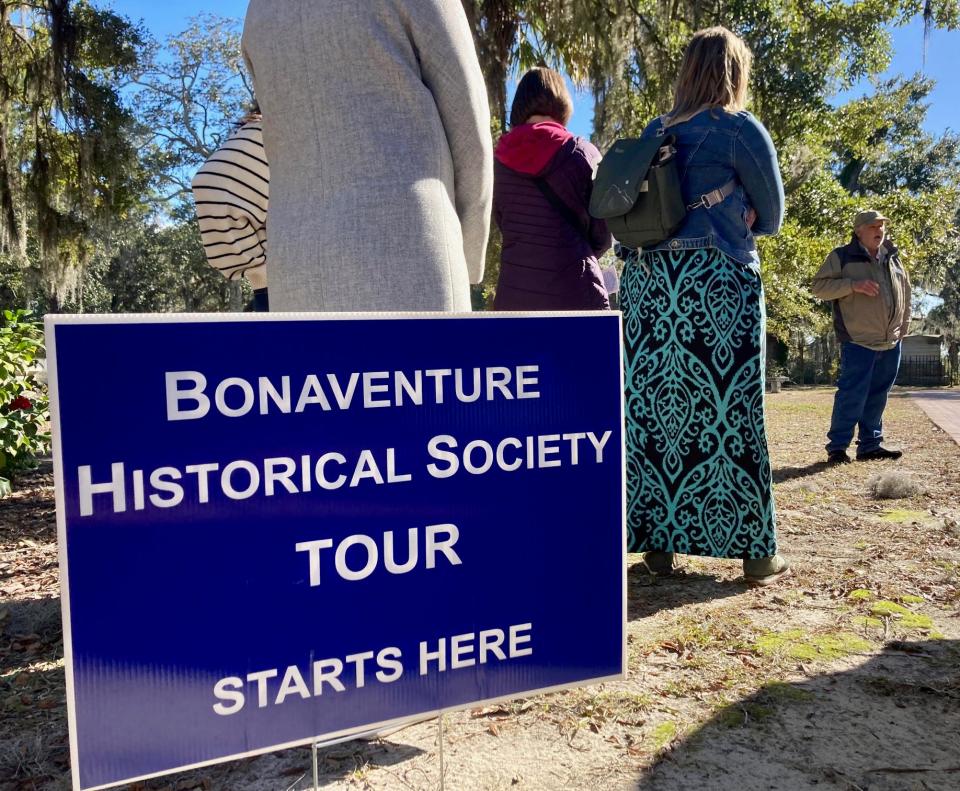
[20, 402]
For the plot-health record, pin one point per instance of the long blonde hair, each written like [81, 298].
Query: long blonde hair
[714, 74]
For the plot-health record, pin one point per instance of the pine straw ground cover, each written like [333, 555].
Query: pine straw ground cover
[846, 676]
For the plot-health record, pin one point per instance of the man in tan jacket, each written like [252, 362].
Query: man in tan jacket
[870, 291]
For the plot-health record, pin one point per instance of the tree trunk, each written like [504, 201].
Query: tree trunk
[494, 24]
[801, 348]
[235, 290]
[53, 303]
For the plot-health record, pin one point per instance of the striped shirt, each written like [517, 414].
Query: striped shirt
[231, 192]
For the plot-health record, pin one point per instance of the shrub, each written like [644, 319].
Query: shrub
[893, 485]
[24, 412]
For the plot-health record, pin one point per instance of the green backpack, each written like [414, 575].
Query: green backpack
[637, 191]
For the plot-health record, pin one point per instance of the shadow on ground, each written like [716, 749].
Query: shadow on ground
[30, 513]
[30, 634]
[648, 595]
[34, 749]
[790, 473]
[936, 392]
[289, 769]
[889, 724]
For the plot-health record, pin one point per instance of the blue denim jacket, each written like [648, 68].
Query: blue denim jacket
[714, 147]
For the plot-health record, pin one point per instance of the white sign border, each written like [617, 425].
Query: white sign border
[52, 321]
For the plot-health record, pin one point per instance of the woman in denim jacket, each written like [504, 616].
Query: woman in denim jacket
[698, 470]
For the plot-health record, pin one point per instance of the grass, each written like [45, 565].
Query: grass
[879, 613]
[905, 618]
[779, 691]
[663, 734]
[808, 647]
[903, 515]
[737, 715]
[706, 654]
[909, 598]
[762, 706]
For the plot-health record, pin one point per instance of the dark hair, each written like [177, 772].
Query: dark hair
[252, 114]
[541, 91]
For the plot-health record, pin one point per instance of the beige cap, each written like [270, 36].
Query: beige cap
[868, 218]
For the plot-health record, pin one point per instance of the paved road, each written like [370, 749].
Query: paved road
[942, 407]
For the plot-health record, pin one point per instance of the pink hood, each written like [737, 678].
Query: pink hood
[529, 148]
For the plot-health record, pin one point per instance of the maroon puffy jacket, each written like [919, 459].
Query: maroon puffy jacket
[546, 263]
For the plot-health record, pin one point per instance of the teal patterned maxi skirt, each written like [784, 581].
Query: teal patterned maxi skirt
[698, 470]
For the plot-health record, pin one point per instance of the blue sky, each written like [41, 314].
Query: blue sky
[170, 16]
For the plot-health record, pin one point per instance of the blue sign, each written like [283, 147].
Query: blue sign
[275, 529]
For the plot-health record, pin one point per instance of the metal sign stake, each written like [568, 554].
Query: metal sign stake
[440, 742]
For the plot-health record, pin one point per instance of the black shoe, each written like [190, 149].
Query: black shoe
[838, 457]
[879, 454]
[660, 564]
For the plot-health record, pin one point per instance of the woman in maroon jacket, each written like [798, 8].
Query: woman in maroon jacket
[543, 176]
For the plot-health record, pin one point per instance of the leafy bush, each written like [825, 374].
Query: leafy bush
[24, 412]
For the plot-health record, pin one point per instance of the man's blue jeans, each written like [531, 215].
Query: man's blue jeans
[865, 380]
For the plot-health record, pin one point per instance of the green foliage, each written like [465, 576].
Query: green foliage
[93, 178]
[128, 242]
[189, 94]
[818, 212]
[882, 156]
[496, 26]
[68, 157]
[148, 267]
[880, 141]
[24, 415]
[946, 316]
[871, 151]
[804, 52]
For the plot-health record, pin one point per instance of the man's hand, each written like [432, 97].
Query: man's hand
[870, 288]
[751, 217]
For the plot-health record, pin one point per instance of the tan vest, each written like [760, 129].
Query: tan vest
[879, 322]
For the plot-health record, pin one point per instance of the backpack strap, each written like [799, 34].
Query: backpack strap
[561, 208]
[710, 199]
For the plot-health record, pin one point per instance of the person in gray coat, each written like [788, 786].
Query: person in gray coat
[377, 130]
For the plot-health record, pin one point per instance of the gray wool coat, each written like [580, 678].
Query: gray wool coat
[377, 131]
